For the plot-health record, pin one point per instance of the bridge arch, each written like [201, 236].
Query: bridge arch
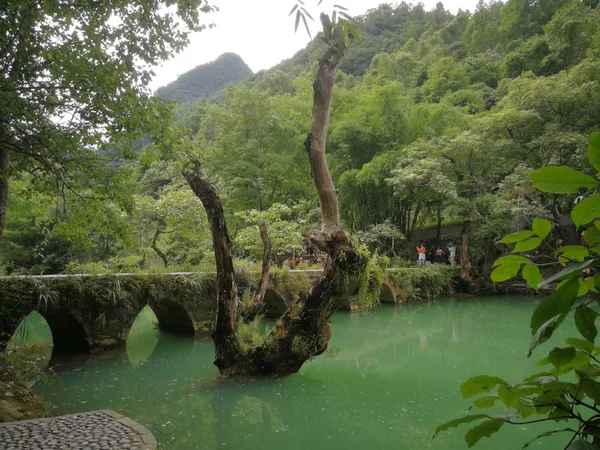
[275, 305]
[386, 295]
[173, 317]
[69, 333]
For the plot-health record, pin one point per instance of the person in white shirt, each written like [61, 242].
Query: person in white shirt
[452, 250]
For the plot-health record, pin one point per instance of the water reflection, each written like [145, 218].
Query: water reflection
[29, 349]
[382, 389]
[143, 337]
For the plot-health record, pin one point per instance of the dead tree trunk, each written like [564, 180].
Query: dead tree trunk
[258, 302]
[4, 166]
[302, 332]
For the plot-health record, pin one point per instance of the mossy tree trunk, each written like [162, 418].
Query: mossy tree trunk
[303, 331]
[258, 301]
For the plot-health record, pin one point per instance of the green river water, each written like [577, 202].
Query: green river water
[393, 376]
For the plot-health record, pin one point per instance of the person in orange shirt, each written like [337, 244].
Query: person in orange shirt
[421, 251]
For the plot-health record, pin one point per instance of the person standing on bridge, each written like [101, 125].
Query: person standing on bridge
[439, 255]
[421, 251]
[452, 250]
[292, 263]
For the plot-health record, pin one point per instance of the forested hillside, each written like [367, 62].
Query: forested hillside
[437, 118]
[207, 79]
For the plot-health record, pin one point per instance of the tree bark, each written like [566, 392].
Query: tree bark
[316, 139]
[227, 348]
[437, 233]
[302, 332]
[4, 167]
[157, 250]
[465, 270]
[258, 302]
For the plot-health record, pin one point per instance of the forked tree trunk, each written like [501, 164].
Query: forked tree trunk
[158, 251]
[4, 166]
[258, 302]
[302, 332]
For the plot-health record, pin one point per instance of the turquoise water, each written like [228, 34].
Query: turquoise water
[391, 377]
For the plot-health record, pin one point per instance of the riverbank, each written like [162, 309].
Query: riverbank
[17, 402]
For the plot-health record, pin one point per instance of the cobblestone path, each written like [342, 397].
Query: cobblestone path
[101, 430]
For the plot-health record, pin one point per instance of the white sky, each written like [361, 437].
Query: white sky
[261, 32]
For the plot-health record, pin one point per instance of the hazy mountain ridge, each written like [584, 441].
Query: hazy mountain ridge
[207, 79]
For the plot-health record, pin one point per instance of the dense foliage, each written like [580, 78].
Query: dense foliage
[567, 392]
[438, 119]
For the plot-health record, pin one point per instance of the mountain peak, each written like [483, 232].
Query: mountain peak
[207, 79]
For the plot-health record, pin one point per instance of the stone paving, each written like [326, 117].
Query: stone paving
[101, 430]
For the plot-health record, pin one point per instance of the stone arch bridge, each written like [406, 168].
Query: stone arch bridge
[88, 312]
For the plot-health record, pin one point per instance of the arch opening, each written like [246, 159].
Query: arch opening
[142, 337]
[275, 305]
[68, 333]
[386, 295]
[173, 318]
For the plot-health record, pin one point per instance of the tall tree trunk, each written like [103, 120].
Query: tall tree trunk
[157, 250]
[259, 297]
[227, 348]
[437, 232]
[465, 270]
[4, 166]
[302, 332]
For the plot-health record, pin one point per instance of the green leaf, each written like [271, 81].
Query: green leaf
[593, 150]
[590, 282]
[592, 235]
[561, 356]
[480, 384]
[485, 402]
[511, 259]
[508, 397]
[306, 26]
[354, 33]
[456, 422]
[591, 388]
[484, 429]
[573, 253]
[542, 227]
[569, 271]
[581, 445]
[582, 344]
[516, 237]
[559, 302]
[561, 180]
[546, 434]
[586, 210]
[307, 13]
[505, 272]
[545, 332]
[532, 275]
[528, 244]
[584, 321]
